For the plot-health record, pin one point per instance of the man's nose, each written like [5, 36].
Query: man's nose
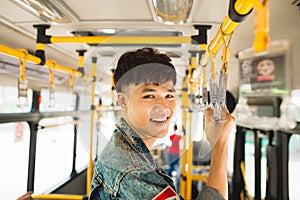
[162, 109]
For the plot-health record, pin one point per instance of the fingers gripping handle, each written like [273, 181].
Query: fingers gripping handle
[218, 96]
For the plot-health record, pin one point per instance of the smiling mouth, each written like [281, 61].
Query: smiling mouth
[160, 120]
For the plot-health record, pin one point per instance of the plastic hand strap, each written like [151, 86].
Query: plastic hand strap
[213, 92]
[192, 82]
[205, 95]
[51, 77]
[22, 63]
[219, 111]
[196, 99]
[204, 77]
[218, 96]
[198, 91]
[51, 83]
[226, 50]
[225, 58]
[71, 81]
[212, 68]
[222, 87]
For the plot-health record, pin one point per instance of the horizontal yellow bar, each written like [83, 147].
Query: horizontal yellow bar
[15, 53]
[200, 177]
[51, 64]
[62, 124]
[122, 39]
[57, 196]
[200, 167]
[36, 60]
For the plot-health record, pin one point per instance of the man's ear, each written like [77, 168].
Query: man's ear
[122, 100]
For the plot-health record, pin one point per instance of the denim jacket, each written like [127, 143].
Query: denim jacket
[126, 170]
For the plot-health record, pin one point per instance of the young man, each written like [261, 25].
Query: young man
[145, 81]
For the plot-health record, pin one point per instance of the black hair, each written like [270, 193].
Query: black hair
[175, 127]
[150, 66]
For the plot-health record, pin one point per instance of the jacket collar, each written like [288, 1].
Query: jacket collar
[134, 139]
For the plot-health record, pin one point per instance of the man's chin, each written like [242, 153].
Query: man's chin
[155, 134]
[161, 134]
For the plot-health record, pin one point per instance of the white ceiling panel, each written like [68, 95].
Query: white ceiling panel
[135, 14]
[110, 10]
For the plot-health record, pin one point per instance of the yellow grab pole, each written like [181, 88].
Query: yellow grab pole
[185, 104]
[227, 27]
[189, 160]
[92, 112]
[113, 87]
[36, 60]
[58, 196]
[122, 39]
[183, 161]
[81, 60]
[243, 6]
[19, 54]
[242, 166]
[261, 26]
[57, 67]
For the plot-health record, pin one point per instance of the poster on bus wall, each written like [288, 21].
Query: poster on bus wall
[265, 73]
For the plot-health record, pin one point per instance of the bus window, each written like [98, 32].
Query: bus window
[101, 135]
[8, 100]
[54, 152]
[294, 165]
[250, 164]
[14, 155]
[84, 101]
[83, 141]
[62, 101]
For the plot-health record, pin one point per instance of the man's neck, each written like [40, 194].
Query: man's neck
[149, 141]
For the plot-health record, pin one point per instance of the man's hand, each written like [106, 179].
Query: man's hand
[217, 132]
[26, 196]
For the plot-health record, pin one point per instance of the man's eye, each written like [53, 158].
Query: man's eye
[170, 96]
[148, 97]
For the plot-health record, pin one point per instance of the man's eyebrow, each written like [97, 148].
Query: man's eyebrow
[153, 90]
[148, 90]
[172, 90]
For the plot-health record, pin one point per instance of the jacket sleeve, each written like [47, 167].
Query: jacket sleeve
[144, 185]
[208, 193]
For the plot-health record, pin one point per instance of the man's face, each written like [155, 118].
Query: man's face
[265, 67]
[149, 108]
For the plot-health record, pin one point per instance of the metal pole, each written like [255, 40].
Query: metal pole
[92, 112]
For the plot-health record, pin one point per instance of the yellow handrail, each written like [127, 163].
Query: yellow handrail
[36, 60]
[59, 124]
[242, 165]
[122, 39]
[58, 196]
[227, 27]
[19, 54]
[92, 113]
